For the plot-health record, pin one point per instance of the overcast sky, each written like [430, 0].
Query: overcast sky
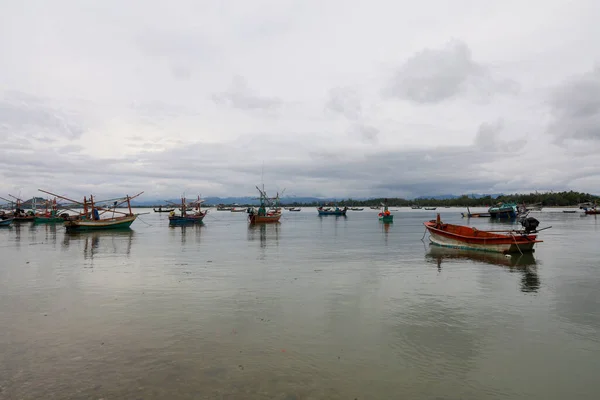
[335, 97]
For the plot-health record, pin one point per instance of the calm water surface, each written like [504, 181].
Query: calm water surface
[312, 308]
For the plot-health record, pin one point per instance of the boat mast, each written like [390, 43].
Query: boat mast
[92, 204]
[128, 205]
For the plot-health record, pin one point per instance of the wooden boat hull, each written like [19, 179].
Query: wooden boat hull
[323, 212]
[91, 225]
[569, 211]
[27, 218]
[264, 219]
[467, 238]
[163, 210]
[48, 220]
[386, 218]
[430, 208]
[476, 215]
[294, 209]
[6, 222]
[178, 220]
[592, 212]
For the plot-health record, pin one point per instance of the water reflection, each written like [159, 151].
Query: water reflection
[187, 230]
[99, 242]
[522, 263]
[264, 232]
[385, 227]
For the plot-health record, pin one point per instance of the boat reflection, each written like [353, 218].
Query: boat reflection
[187, 230]
[385, 227]
[101, 242]
[264, 232]
[521, 263]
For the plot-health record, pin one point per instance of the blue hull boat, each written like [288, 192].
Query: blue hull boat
[332, 211]
[6, 222]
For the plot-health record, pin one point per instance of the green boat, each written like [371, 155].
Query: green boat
[103, 224]
[48, 220]
[385, 215]
[91, 217]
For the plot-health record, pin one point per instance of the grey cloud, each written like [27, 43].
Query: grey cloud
[367, 133]
[386, 173]
[345, 101]
[27, 115]
[241, 96]
[435, 75]
[575, 107]
[488, 138]
[70, 148]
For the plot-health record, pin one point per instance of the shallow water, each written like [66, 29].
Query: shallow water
[312, 308]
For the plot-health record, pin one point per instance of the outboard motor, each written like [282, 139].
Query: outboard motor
[530, 224]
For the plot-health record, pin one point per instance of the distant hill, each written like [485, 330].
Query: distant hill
[246, 200]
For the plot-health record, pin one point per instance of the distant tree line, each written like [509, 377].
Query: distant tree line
[549, 199]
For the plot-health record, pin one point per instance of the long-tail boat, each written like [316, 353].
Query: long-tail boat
[593, 210]
[466, 237]
[195, 217]
[90, 219]
[385, 215]
[469, 214]
[261, 215]
[332, 211]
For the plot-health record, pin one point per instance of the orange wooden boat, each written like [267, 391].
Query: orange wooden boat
[261, 215]
[466, 237]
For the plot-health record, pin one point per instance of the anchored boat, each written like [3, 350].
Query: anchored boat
[91, 217]
[332, 210]
[385, 215]
[195, 217]
[503, 211]
[466, 237]
[260, 214]
[5, 221]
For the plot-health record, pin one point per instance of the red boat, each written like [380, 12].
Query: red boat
[466, 237]
[261, 215]
[592, 211]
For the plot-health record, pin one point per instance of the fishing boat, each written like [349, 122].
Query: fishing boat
[195, 217]
[19, 214]
[385, 215]
[466, 237]
[160, 209]
[430, 208]
[51, 214]
[374, 207]
[5, 221]
[294, 209]
[91, 217]
[592, 211]
[222, 207]
[569, 211]
[503, 211]
[260, 214]
[356, 208]
[469, 214]
[332, 211]
[417, 207]
[239, 209]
